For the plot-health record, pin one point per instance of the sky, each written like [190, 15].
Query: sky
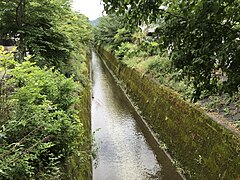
[90, 8]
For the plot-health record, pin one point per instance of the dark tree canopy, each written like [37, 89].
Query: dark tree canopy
[203, 37]
[36, 27]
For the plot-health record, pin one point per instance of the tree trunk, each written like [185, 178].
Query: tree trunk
[20, 19]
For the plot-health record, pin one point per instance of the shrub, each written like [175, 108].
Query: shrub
[42, 128]
[127, 50]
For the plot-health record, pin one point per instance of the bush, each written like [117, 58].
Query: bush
[127, 50]
[42, 128]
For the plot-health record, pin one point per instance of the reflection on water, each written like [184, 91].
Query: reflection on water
[123, 152]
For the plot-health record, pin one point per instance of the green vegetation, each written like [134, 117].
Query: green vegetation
[202, 37]
[111, 33]
[42, 127]
[44, 91]
[192, 48]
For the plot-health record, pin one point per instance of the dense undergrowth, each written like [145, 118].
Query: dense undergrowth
[44, 91]
[40, 124]
[40, 128]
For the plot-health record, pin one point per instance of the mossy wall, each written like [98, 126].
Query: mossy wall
[204, 148]
[77, 168]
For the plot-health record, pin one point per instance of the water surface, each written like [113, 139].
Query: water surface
[124, 151]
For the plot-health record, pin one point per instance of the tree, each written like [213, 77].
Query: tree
[48, 30]
[111, 31]
[106, 30]
[202, 35]
[79, 32]
[33, 25]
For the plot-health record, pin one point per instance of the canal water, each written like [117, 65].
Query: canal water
[125, 149]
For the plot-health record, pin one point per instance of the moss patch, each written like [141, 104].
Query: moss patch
[76, 168]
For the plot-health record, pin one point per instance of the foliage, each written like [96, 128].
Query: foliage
[40, 108]
[202, 36]
[47, 30]
[127, 50]
[6, 61]
[123, 35]
[124, 40]
[42, 127]
[160, 67]
[134, 11]
[79, 33]
[111, 31]
[32, 22]
[106, 30]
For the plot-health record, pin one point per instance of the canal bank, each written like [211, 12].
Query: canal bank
[204, 149]
[125, 148]
[77, 168]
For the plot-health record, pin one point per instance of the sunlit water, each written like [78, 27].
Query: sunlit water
[123, 153]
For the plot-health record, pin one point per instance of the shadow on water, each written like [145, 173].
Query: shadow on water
[126, 148]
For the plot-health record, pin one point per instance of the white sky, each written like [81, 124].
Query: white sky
[90, 8]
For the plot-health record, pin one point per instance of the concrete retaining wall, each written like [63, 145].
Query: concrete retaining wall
[204, 148]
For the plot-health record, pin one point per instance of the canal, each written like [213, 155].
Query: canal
[125, 149]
